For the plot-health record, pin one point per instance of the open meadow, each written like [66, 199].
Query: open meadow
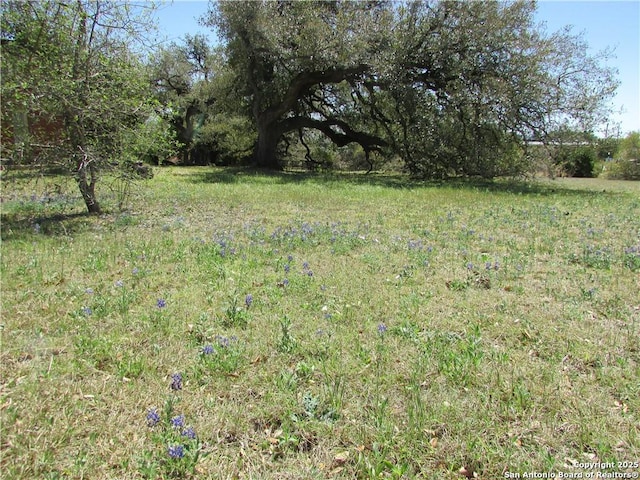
[239, 324]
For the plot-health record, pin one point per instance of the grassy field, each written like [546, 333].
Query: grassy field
[236, 324]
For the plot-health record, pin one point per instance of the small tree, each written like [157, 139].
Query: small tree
[75, 65]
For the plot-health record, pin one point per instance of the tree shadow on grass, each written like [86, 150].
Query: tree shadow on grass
[21, 227]
[237, 175]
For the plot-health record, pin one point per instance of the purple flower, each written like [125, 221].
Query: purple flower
[290, 258]
[119, 284]
[189, 432]
[286, 268]
[248, 300]
[285, 282]
[310, 273]
[305, 266]
[153, 417]
[222, 341]
[135, 271]
[178, 421]
[176, 451]
[382, 328]
[89, 291]
[207, 350]
[176, 381]
[87, 311]
[161, 303]
[469, 266]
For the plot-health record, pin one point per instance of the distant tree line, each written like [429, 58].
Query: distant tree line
[439, 89]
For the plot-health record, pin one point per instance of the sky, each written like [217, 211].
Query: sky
[605, 24]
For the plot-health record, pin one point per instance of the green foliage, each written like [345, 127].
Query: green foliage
[452, 88]
[630, 147]
[623, 170]
[626, 166]
[577, 161]
[70, 68]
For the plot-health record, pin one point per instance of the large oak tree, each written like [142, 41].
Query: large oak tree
[451, 87]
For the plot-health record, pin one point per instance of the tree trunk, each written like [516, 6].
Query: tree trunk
[265, 152]
[87, 178]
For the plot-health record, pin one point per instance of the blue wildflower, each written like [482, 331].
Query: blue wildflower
[119, 284]
[382, 328]
[178, 421]
[290, 258]
[87, 311]
[469, 266]
[305, 266]
[248, 300]
[176, 451]
[153, 417]
[189, 432]
[89, 291]
[286, 268]
[161, 303]
[176, 381]
[207, 350]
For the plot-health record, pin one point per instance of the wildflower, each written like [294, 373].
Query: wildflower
[89, 291]
[487, 266]
[382, 328]
[178, 421]
[153, 417]
[176, 381]
[305, 266]
[290, 258]
[310, 273]
[286, 268]
[87, 311]
[222, 341]
[207, 350]
[119, 284]
[248, 300]
[135, 271]
[161, 303]
[176, 451]
[469, 266]
[189, 432]
[285, 282]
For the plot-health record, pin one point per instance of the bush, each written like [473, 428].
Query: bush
[577, 161]
[623, 170]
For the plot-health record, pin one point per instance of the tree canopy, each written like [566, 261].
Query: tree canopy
[445, 88]
[450, 87]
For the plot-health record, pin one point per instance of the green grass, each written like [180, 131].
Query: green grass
[395, 329]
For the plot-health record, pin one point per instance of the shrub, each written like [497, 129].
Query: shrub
[578, 161]
[623, 170]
